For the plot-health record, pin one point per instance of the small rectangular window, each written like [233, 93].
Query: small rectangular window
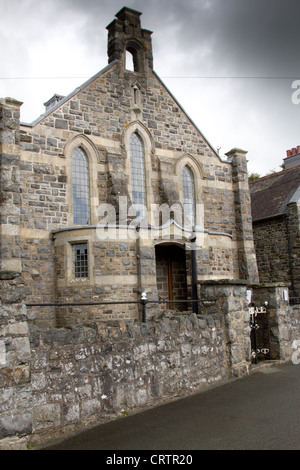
[80, 252]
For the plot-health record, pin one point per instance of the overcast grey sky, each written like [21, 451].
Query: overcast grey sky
[230, 63]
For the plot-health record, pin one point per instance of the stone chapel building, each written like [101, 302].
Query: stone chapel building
[114, 191]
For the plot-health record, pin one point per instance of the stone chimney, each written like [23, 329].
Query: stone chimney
[292, 158]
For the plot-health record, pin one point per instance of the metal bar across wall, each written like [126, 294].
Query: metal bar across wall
[143, 302]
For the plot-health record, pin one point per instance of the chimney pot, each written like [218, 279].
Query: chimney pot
[298, 149]
[294, 151]
[288, 153]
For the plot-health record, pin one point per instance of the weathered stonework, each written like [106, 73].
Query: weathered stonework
[277, 250]
[63, 362]
[230, 299]
[100, 117]
[10, 188]
[59, 379]
[275, 204]
[15, 363]
[283, 320]
[246, 251]
[90, 372]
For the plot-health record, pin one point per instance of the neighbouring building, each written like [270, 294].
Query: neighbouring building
[74, 182]
[275, 200]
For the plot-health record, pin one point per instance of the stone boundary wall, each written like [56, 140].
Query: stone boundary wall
[58, 379]
[93, 372]
[87, 373]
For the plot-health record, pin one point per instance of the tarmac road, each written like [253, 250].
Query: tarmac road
[257, 412]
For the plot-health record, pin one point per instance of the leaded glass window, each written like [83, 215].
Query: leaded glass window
[137, 164]
[81, 196]
[188, 191]
[80, 260]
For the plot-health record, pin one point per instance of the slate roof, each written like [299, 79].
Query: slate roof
[271, 194]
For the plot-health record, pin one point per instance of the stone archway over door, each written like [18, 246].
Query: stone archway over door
[171, 275]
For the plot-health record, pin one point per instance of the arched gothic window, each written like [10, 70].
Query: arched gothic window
[137, 165]
[188, 191]
[81, 192]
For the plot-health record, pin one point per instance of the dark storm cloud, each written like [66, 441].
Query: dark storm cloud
[235, 37]
[191, 38]
[256, 38]
[248, 38]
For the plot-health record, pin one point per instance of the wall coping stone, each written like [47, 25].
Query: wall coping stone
[269, 285]
[233, 282]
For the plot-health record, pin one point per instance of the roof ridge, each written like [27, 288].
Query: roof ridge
[274, 174]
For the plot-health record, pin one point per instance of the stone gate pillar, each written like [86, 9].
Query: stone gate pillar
[15, 386]
[244, 233]
[230, 298]
[10, 187]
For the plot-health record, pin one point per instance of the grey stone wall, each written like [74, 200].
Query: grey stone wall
[15, 357]
[294, 240]
[58, 379]
[92, 372]
[271, 246]
[277, 249]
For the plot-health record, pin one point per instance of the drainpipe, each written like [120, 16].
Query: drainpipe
[144, 302]
[194, 274]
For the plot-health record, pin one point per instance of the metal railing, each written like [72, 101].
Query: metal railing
[294, 300]
[143, 302]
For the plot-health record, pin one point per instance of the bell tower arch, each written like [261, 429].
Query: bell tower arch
[126, 35]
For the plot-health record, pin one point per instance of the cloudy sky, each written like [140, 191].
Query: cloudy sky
[232, 64]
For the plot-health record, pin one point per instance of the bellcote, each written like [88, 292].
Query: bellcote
[126, 35]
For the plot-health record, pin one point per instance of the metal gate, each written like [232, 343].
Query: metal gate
[260, 333]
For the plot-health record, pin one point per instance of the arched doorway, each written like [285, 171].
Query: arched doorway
[171, 275]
